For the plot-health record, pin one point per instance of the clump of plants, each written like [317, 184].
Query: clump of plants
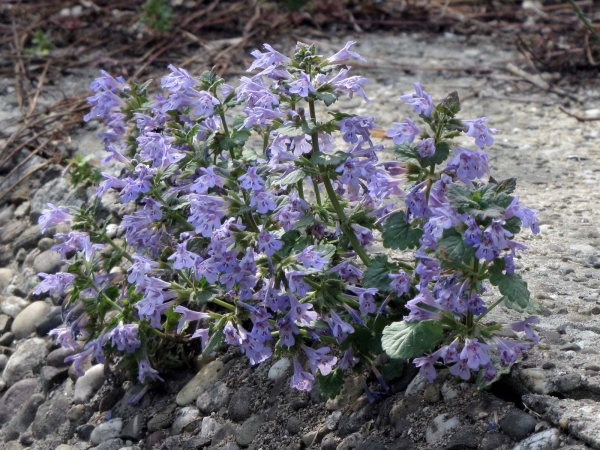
[266, 243]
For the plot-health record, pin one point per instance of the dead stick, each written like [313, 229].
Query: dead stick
[36, 151]
[577, 116]
[38, 89]
[24, 177]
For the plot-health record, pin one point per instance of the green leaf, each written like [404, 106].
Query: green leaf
[377, 274]
[513, 225]
[459, 197]
[331, 385]
[327, 250]
[398, 234]
[289, 240]
[451, 104]
[326, 159]
[411, 339]
[507, 186]
[304, 221]
[452, 248]
[442, 150]
[291, 178]
[329, 98]
[512, 287]
[216, 340]
[205, 295]
[297, 129]
[407, 152]
[393, 369]
[249, 155]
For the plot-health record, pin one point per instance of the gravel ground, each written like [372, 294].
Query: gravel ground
[555, 158]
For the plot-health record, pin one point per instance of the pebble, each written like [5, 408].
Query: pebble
[329, 442]
[494, 441]
[350, 442]
[56, 358]
[294, 425]
[536, 380]
[28, 356]
[248, 430]
[518, 424]
[133, 429]
[432, 394]
[209, 427]
[47, 262]
[163, 419]
[87, 385]
[592, 367]
[28, 319]
[572, 346]
[52, 376]
[50, 416]
[45, 244]
[240, 405]
[26, 414]
[416, 386]
[75, 413]
[106, 431]
[213, 398]
[13, 305]
[53, 319]
[7, 339]
[546, 440]
[332, 421]
[6, 275]
[185, 420]
[548, 365]
[279, 369]
[5, 323]
[449, 392]
[196, 386]
[223, 432]
[12, 399]
[439, 426]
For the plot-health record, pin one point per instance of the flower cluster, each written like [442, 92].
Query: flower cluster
[267, 250]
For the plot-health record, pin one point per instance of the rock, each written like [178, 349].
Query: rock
[240, 405]
[294, 425]
[106, 430]
[248, 430]
[28, 319]
[22, 210]
[52, 376]
[351, 391]
[133, 429]
[57, 191]
[279, 369]
[494, 440]
[3, 361]
[29, 238]
[53, 319]
[6, 213]
[546, 440]
[75, 413]
[111, 398]
[163, 419]
[518, 424]
[13, 445]
[209, 426]
[401, 410]
[26, 414]
[449, 391]
[12, 399]
[47, 262]
[113, 444]
[196, 386]
[87, 385]
[548, 365]
[223, 432]
[571, 346]
[416, 386]
[439, 426]
[85, 431]
[536, 380]
[6, 276]
[371, 443]
[352, 422]
[5, 323]
[431, 394]
[50, 416]
[185, 420]
[11, 231]
[299, 403]
[332, 421]
[464, 438]
[13, 305]
[56, 358]
[350, 442]
[7, 339]
[329, 442]
[314, 437]
[28, 357]
[213, 398]
[45, 244]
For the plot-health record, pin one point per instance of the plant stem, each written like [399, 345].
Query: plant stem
[223, 304]
[492, 306]
[116, 247]
[300, 190]
[317, 193]
[586, 22]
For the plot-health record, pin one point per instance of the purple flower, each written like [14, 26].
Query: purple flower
[54, 215]
[400, 282]
[64, 337]
[351, 85]
[178, 79]
[300, 312]
[188, 316]
[479, 130]
[490, 372]
[201, 333]
[498, 234]
[124, 337]
[109, 183]
[354, 128]
[115, 154]
[251, 180]
[270, 58]
[301, 380]
[287, 330]
[339, 328]
[475, 353]
[57, 283]
[426, 147]
[486, 248]
[381, 185]
[509, 351]
[461, 369]
[426, 366]
[347, 272]
[146, 371]
[449, 353]
[302, 86]
[263, 201]
[469, 164]
[366, 299]
[140, 267]
[310, 258]
[319, 360]
[403, 131]
[420, 100]
[209, 180]
[348, 360]
[528, 216]
[416, 201]
[345, 54]
[107, 82]
[268, 243]
[182, 258]
[205, 104]
[473, 233]
[103, 104]
[525, 326]
[259, 116]
[364, 235]
[287, 217]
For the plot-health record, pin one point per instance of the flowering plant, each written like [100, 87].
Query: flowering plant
[263, 243]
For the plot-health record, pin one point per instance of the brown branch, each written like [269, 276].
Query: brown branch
[579, 117]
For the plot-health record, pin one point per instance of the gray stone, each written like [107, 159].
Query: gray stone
[7, 339]
[6, 213]
[353, 421]
[3, 361]
[75, 413]
[106, 431]
[248, 430]
[22, 210]
[213, 398]
[50, 416]
[494, 440]
[465, 438]
[5, 323]
[240, 405]
[133, 429]
[47, 262]
[371, 443]
[185, 420]
[6, 276]
[28, 319]
[416, 386]
[29, 238]
[196, 386]
[113, 444]
[294, 425]
[545, 440]
[13, 305]
[163, 419]
[279, 369]
[12, 399]
[53, 319]
[518, 424]
[350, 442]
[59, 192]
[12, 230]
[45, 244]
[85, 431]
[29, 357]
[228, 429]
[52, 376]
[439, 426]
[56, 358]
[333, 420]
[209, 426]
[111, 398]
[26, 414]
[87, 385]
[329, 442]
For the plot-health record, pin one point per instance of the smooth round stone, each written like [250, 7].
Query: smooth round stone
[213, 398]
[279, 369]
[47, 262]
[197, 385]
[25, 323]
[87, 385]
[29, 355]
[13, 305]
[107, 430]
[185, 420]
[6, 275]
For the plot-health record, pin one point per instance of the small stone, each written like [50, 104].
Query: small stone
[47, 262]
[196, 386]
[26, 414]
[518, 424]
[449, 391]
[113, 444]
[45, 244]
[549, 365]
[572, 346]
[185, 418]
[22, 210]
[299, 403]
[28, 356]
[225, 431]
[350, 442]
[546, 440]
[240, 405]
[75, 413]
[494, 441]
[163, 419]
[353, 421]
[56, 358]
[87, 385]
[332, 421]
[85, 431]
[25, 323]
[371, 443]
[209, 426]
[213, 398]
[279, 369]
[12, 399]
[106, 430]
[592, 367]
[439, 426]
[53, 319]
[248, 430]
[6, 276]
[328, 442]
[5, 323]
[432, 394]
[294, 425]
[52, 376]
[50, 416]
[3, 361]
[13, 305]
[536, 380]
[111, 398]
[7, 339]
[133, 429]
[416, 386]
[464, 438]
